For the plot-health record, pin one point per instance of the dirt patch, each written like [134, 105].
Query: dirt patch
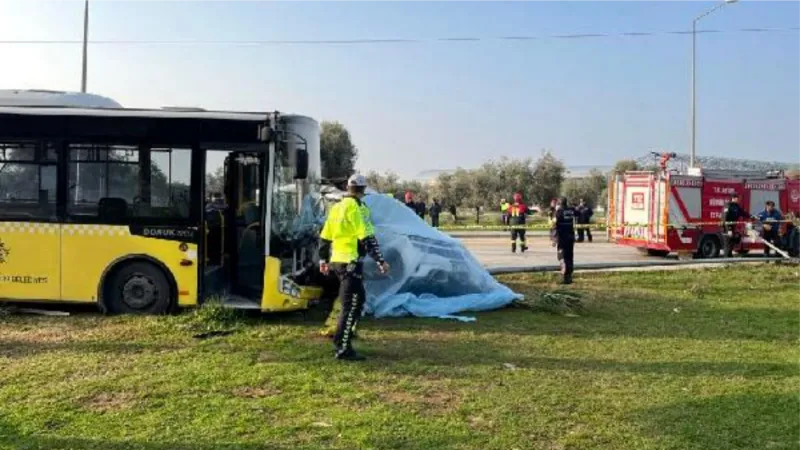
[256, 392]
[109, 402]
[425, 400]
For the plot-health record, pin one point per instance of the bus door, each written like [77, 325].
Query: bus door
[30, 253]
[244, 182]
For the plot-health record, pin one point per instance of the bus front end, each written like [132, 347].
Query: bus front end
[292, 200]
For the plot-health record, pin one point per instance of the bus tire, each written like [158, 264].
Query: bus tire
[709, 247]
[137, 288]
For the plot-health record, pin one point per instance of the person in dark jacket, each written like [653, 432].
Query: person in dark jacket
[517, 214]
[564, 239]
[770, 219]
[422, 209]
[454, 213]
[410, 202]
[732, 214]
[584, 216]
[434, 211]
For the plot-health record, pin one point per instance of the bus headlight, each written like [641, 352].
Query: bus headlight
[288, 287]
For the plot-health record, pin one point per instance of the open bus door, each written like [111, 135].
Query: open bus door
[246, 260]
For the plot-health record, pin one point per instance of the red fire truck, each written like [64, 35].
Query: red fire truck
[663, 212]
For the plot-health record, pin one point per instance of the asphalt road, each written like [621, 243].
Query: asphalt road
[495, 251]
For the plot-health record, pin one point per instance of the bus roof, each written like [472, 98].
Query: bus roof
[44, 97]
[171, 113]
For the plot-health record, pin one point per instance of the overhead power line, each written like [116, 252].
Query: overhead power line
[396, 41]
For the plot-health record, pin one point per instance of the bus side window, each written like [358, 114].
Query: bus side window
[27, 180]
[152, 183]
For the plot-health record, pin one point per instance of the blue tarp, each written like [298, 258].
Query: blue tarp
[432, 274]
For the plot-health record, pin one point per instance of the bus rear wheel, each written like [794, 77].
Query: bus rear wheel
[137, 288]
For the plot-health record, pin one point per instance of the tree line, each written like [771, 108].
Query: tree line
[539, 180]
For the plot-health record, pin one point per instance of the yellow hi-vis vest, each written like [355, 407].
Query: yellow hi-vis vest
[504, 207]
[344, 228]
[365, 213]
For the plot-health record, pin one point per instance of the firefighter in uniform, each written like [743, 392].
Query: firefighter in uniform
[732, 213]
[564, 239]
[345, 241]
[770, 219]
[584, 213]
[517, 213]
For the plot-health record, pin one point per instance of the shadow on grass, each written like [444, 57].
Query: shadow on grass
[20, 349]
[10, 437]
[748, 421]
[653, 318]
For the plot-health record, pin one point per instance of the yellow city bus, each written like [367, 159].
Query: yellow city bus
[107, 206]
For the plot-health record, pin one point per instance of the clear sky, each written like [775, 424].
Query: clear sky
[437, 105]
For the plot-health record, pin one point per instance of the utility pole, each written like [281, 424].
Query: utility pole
[692, 155]
[85, 43]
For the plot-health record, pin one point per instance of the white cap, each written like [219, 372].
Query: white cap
[357, 181]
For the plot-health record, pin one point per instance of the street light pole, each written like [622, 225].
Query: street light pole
[692, 155]
[85, 44]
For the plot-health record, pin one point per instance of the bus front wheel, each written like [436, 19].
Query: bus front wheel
[137, 288]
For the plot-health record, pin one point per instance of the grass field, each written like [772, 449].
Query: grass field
[655, 360]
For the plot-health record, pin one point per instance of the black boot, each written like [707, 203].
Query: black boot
[513, 247]
[567, 279]
[524, 248]
[348, 355]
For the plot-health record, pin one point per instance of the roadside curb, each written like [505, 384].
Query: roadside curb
[503, 270]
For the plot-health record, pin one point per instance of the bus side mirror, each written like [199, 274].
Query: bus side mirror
[301, 165]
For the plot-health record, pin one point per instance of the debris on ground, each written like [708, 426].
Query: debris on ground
[566, 304]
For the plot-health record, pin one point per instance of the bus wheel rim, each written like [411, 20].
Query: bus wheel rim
[139, 292]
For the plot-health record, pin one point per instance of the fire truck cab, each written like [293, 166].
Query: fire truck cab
[662, 212]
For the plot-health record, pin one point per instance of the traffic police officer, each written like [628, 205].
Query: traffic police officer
[331, 323]
[346, 238]
[564, 238]
[732, 214]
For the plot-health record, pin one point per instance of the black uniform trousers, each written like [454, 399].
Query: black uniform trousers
[518, 233]
[771, 237]
[353, 296]
[731, 240]
[566, 255]
[588, 233]
[435, 220]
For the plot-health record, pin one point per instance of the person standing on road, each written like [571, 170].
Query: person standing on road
[564, 239]
[504, 211]
[410, 202]
[345, 240]
[770, 219]
[434, 211]
[422, 209]
[584, 214]
[517, 213]
[731, 215]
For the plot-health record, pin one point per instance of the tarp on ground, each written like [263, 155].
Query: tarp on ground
[432, 274]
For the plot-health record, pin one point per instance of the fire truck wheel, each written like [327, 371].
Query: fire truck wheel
[709, 247]
[659, 253]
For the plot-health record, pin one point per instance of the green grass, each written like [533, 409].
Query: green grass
[655, 360]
